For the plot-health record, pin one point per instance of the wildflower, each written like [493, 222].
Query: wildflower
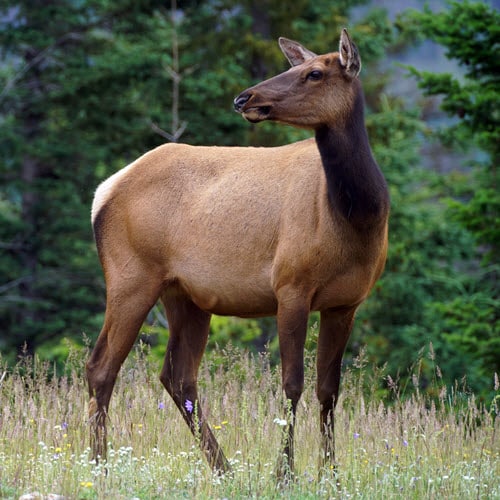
[280, 421]
[87, 484]
[217, 427]
[161, 405]
[405, 442]
[356, 435]
[224, 422]
[188, 404]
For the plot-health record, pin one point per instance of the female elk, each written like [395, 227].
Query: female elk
[248, 232]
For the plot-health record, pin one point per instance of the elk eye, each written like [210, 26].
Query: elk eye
[315, 75]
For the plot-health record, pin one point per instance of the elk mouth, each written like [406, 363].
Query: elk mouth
[243, 104]
[256, 114]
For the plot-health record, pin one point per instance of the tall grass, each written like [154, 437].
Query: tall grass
[408, 448]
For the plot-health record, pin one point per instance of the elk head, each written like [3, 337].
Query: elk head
[316, 91]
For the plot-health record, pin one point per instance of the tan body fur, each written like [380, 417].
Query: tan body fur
[230, 230]
[247, 232]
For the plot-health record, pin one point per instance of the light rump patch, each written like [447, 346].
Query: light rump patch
[105, 190]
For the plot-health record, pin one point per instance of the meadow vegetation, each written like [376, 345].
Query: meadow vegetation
[407, 445]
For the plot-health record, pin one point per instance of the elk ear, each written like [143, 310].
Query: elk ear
[294, 52]
[349, 55]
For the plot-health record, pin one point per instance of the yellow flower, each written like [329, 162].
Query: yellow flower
[224, 422]
[58, 450]
[217, 427]
[87, 484]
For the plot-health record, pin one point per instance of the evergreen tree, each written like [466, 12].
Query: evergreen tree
[468, 321]
[71, 110]
[470, 32]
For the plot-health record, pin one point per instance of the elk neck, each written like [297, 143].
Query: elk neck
[356, 187]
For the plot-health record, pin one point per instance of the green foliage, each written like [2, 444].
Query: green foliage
[470, 325]
[240, 332]
[464, 320]
[423, 250]
[61, 122]
[470, 32]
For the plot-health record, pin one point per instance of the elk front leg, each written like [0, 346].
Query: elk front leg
[335, 328]
[292, 328]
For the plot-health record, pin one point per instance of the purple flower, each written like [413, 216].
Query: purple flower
[64, 426]
[405, 442]
[189, 406]
[356, 435]
[161, 405]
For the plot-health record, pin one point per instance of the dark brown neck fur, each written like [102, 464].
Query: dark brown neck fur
[356, 187]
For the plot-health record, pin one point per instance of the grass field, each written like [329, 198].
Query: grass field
[407, 448]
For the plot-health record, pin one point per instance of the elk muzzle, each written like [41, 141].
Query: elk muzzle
[241, 100]
[251, 111]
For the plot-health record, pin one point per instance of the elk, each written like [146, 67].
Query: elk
[249, 232]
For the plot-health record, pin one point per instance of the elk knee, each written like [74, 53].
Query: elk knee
[326, 400]
[94, 379]
[178, 388]
[293, 391]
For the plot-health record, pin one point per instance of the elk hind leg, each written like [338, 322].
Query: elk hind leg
[127, 305]
[189, 327]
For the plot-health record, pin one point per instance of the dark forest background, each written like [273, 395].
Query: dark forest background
[86, 86]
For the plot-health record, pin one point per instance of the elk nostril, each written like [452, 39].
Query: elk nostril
[241, 100]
